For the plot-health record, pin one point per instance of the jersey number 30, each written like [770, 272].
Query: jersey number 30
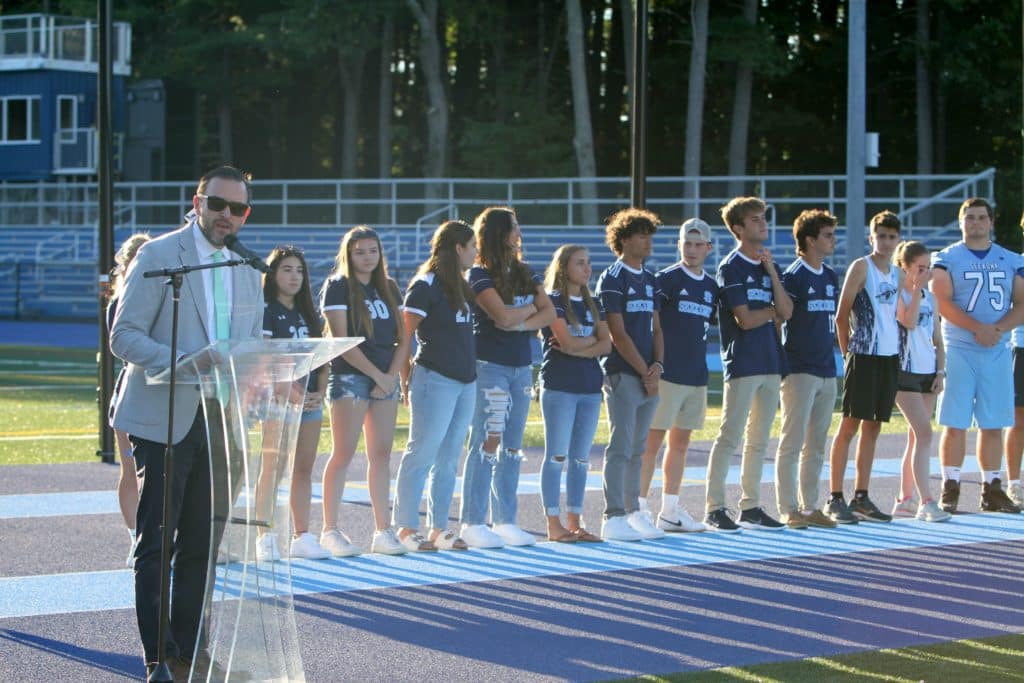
[990, 280]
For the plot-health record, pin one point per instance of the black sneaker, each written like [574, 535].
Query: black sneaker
[863, 508]
[719, 520]
[839, 512]
[994, 499]
[757, 520]
[950, 495]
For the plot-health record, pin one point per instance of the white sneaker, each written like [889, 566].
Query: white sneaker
[338, 544]
[130, 562]
[306, 546]
[1016, 493]
[513, 535]
[905, 508]
[642, 525]
[386, 543]
[266, 548]
[931, 512]
[619, 529]
[681, 522]
[479, 536]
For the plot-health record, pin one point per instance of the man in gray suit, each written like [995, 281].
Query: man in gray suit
[215, 304]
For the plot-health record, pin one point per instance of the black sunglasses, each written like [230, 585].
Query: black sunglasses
[217, 204]
[289, 249]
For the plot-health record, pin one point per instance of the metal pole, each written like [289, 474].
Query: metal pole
[638, 109]
[105, 263]
[856, 93]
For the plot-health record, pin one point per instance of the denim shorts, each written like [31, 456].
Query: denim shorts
[315, 415]
[354, 386]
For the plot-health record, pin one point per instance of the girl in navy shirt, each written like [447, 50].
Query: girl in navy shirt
[290, 314]
[511, 306]
[440, 387]
[570, 396]
[360, 300]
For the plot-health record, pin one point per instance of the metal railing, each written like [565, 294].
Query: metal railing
[30, 40]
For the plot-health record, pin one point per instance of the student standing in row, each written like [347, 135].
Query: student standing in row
[510, 307]
[628, 293]
[871, 350]
[920, 381]
[440, 387]
[360, 300]
[687, 305]
[570, 394]
[290, 314]
[809, 390]
[752, 300]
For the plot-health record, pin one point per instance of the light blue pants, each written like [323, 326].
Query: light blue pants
[440, 410]
[503, 395]
[570, 422]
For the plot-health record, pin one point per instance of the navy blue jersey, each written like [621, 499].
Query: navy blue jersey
[742, 281]
[444, 337]
[808, 336]
[494, 345]
[633, 294]
[381, 348]
[686, 312]
[281, 322]
[562, 372]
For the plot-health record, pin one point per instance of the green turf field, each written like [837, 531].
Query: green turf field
[48, 398]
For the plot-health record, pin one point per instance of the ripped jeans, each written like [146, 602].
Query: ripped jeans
[570, 422]
[491, 477]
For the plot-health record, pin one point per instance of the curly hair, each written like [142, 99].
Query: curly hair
[623, 224]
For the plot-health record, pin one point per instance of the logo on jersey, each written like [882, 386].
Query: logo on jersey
[708, 298]
[766, 282]
[645, 306]
[886, 293]
[650, 290]
[810, 290]
[464, 315]
[830, 291]
[924, 318]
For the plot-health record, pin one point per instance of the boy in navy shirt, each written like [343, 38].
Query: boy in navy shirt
[628, 293]
[751, 300]
[809, 390]
[688, 300]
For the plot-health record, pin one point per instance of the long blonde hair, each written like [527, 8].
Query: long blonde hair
[556, 279]
[359, 321]
[123, 258]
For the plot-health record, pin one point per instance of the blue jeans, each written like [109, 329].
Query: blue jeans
[503, 395]
[440, 410]
[570, 422]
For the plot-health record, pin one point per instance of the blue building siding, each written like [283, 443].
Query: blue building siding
[34, 161]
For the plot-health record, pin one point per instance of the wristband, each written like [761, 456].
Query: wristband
[660, 365]
[940, 373]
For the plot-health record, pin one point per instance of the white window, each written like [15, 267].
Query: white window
[19, 120]
[67, 117]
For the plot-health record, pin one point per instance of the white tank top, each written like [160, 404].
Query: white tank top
[917, 348]
[875, 331]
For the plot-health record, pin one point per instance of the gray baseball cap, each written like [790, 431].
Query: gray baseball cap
[695, 225]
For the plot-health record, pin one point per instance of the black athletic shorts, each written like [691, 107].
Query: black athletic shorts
[1018, 377]
[919, 383]
[869, 387]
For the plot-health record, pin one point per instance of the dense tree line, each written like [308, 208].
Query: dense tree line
[370, 88]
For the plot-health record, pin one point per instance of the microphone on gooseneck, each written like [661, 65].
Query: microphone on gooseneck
[248, 255]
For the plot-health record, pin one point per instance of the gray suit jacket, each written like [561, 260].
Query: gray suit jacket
[141, 334]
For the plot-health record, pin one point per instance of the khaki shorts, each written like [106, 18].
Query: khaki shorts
[680, 406]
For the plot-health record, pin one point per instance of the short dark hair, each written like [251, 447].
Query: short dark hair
[228, 173]
[738, 208]
[974, 202]
[885, 219]
[809, 224]
[624, 224]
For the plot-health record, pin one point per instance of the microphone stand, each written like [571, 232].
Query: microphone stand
[162, 673]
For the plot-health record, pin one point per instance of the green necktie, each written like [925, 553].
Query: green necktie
[222, 313]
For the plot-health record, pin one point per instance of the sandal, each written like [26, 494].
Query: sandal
[584, 536]
[448, 540]
[567, 537]
[416, 543]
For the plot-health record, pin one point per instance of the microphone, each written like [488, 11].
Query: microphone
[248, 255]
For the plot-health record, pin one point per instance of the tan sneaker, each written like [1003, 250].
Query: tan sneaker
[819, 519]
[795, 520]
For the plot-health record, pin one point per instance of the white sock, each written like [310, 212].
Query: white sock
[131, 535]
[668, 505]
[643, 504]
[951, 473]
[989, 476]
